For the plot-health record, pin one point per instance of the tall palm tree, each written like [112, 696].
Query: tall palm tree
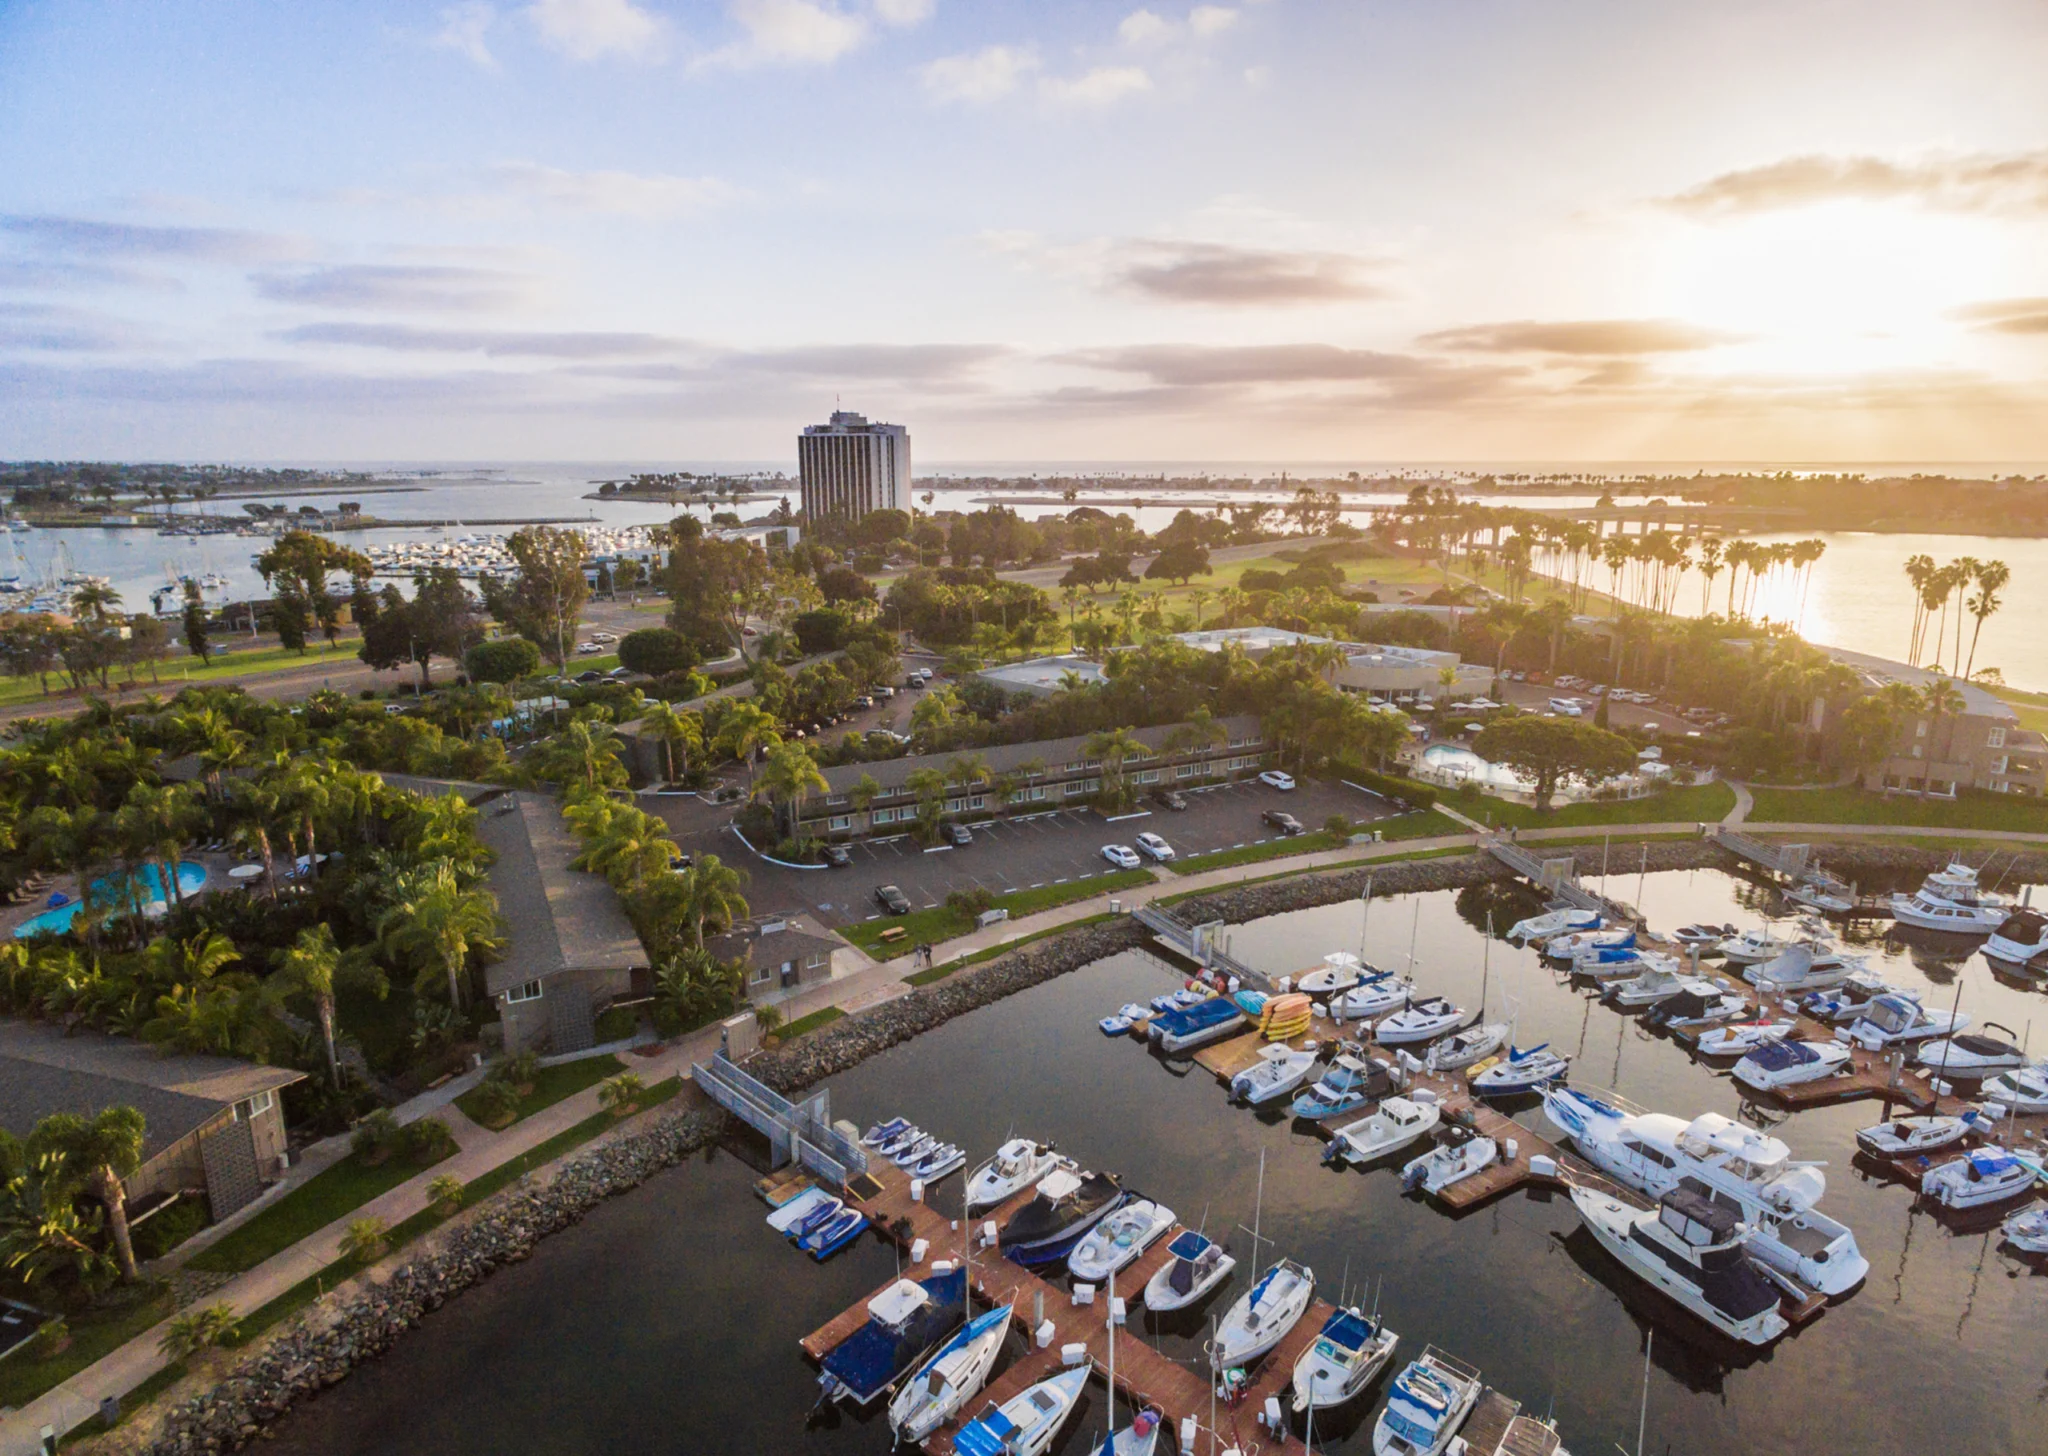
[315, 967]
[748, 727]
[161, 818]
[1919, 569]
[632, 847]
[1940, 700]
[789, 777]
[100, 1153]
[929, 785]
[670, 727]
[96, 600]
[1991, 576]
[1112, 746]
[708, 892]
[438, 925]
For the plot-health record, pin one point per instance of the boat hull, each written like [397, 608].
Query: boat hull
[1611, 1222]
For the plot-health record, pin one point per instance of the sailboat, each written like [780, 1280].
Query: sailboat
[1027, 1423]
[1141, 1436]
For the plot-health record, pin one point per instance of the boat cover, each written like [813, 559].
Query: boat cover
[867, 1361]
[1213, 1012]
[1777, 1056]
[1348, 1331]
[987, 1435]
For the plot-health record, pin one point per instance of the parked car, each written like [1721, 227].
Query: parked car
[587, 649]
[592, 676]
[1121, 855]
[957, 835]
[838, 856]
[1154, 847]
[1273, 778]
[863, 701]
[681, 861]
[604, 637]
[1172, 799]
[892, 899]
[883, 690]
[1565, 707]
[1284, 822]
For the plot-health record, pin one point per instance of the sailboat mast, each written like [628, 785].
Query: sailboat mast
[1365, 916]
[1643, 1420]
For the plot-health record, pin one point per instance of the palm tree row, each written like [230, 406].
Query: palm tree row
[1935, 590]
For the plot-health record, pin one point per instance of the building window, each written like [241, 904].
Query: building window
[1038, 791]
[882, 816]
[1919, 751]
[1020, 796]
[758, 974]
[1998, 763]
[841, 821]
[1148, 776]
[1995, 738]
[1185, 771]
[1076, 789]
[1920, 729]
[528, 992]
[954, 806]
[250, 1108]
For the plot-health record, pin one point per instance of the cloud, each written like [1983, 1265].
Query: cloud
[76, 235]
[52, 274]
[788, 33]
[1217, 273]
[904, 12]
[1142, 27]
[1193, 364]
[2008, 316]
[1208, 20]
[1148, 27]
[397, 288]
[48, 328]
[1589, 336]
[985, 75]
[496, 343]
[465, 29]
[589, 30]
[1972, 182]
[1099, 87]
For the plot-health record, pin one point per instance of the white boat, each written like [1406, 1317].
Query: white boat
[1911, 1136]
[1827, 900]
[1980, 1177]
[1571, 946]
[1706, 937]
[941, 1162]
[1789, 1063]
[1843, 1003]
[1659, 984]
[1742, 1038]
[2022, 1089]
[1777, 1196]
[1429, 1401]
[1697, 1011]
[1118, 1239]
[1340, 971]
[1397, 1123]
[1263, 1315]
[1800, 968]
[1553, 923]
[1341, 1360]
[2027, 1230]
[1521, 1071]
[1139, 1438]
[1459, 1157]
[1376, 997]
[1119, 1022]
[1188, 1027]
[1619, 962]
[1026, 1423]
[1463, 1048]
[2021, 938]
[1195, 1266]
[1419, 1021]
[1017, 1165]
[1970, 1055]
[1689, 1248]
[1279, 1070]
[1888, 1020]
[1752, 946]
[1951, 900]
[952, 1376]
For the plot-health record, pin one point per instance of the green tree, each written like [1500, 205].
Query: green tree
[505, 660]
[315, 967]
[543, 601]
[42, 1232]
[789, 777]
[197, 640]
[657, 651]
[199, 1329]
[99, 1152]
[929, 786]
[672, 727]
[1554, 751]
[438, 925]
[708, 893]
[746, 728]
[163, 819]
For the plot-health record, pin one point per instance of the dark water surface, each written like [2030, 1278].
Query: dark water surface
[668, 1320]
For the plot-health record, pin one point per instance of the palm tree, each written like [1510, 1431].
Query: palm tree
[630, 847]
[748, 727]
[929, 785]
[160, 819]
[670, 727]
[589, 746]
[1991, 576]
[864, 793]
[1112, 747]
[313, 967]
[788, 778]
[100, 1153]
[95, 600]
[709, 892]
[1919, 570]
[1939, 699]
[438, 925]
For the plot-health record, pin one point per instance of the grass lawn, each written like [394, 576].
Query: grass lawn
[550, 1085]
[318, 1202]
[177, 672]
[1860, 806]
[1427, 825]
[94, 1333]
[1312, 842]
[989, 953]
[943, 922]
[1705, 803]
[812, 1022]
[1348, 864]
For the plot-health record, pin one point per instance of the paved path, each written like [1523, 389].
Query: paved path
[1745, 802]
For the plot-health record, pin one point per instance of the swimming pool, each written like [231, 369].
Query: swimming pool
[110, 891]
[1463, 764]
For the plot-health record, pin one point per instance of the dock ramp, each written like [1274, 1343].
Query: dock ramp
[1200, 944]
[1557, 877]
[799, 1132]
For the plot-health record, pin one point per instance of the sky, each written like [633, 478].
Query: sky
[1316, 230]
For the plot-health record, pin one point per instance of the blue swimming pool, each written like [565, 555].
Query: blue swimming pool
[1463, 764]
[110, 891]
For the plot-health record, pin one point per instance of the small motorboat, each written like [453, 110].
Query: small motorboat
[1752, 947]
[1951, 900]
[883, 1132]
[1278, 1071]
[1428, 1402]
[1579, 942]
[1788, 1063]
[1067, 1204]
[1195, 1266]
[952, 1376]
[1458, 1157]
[941, 1162]
[1888, 1020]
[1374, 997]
[1970, 1055]
[1980, 1177]
[1339, 972]
[1553, 923]
[1908, 1137]
[1194, 1026]
[825, 1239]
[1706, 937]
[1843, 1003]
[2020, 940]
[1018, 1164]
[1521, 1071]
[1118, 1239]
[1463, 1048]
[1263, 1315]
[1658, 984]
[1820, 897]
[1349, 1084]
[1026, 1423]
[2022, 1089]
[1690, 1248]
[1341, 1360]
[2027, 1230]
[1618, 962]
[1742, 1038]
[1697, 1010]
[1421, 1021]
[1397, 1123]
[904, 1322]
[1121, 1021]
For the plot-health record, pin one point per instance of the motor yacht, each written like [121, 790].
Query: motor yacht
[1914, 1135]
[1803, 966]
[905, 1321]
[1843, 1003]
[1420, 1021]
[2021, 1089]
[1278, 1071]
[1616, 963]
[1889, 1020]
[1692, 1010]
[1119, 1238]
[1564, 920]
[1951, 900]
[1018, 1164]
[1341, 1360]
[1396, 1124]
[1521, 1071]
[1428, 1402]
[1195, 1265]
[1821, 897]
[1741, 1038]
[1349, 1084]
[2021, 939]
[1658, 983]
[1339, 972]
[1705, 937]
[1263, 1314]
[1978, 1178]
[1970, 1055]
[1788, 1063]
[1691, 1249]
[952, 1376]
[1459, 1156]
[1066, 1205]
[1026, 1423]
[1752, 947]
[1578, 942]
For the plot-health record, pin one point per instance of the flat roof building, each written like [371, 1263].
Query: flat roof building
[850, 467]
[1042, 675]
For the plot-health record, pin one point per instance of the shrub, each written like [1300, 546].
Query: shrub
[617, 1023]
[768, 1018]
[657, 651]
[496, 1103]
[163, 1232]
[447, 1190]
[507, 660]
[971, 902]
[366, 1239]
[375, 1136]
[426, 1140]
[52, 1338]
[199, 1329]
[516, 1071]
[1391, 786]
[1337, 825]
[620, 1094]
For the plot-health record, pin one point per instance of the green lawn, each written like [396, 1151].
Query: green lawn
[94, 1333]
[323, 1198]
[1348, 864]
[1705, 803]
[1429, 824]
[1312, 842]
[943, 922]
[1860, 806]
[550, 1085]
[989, 953]
[812, 1022]
[178, 671]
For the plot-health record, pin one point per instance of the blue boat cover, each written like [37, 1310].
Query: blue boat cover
[1188, 1246]
[1776, 1056]
[1347, 1331]
[987, 1435]
[1521, 1056]
[1213, 1012]
[873, 1355]
[1986, 1161]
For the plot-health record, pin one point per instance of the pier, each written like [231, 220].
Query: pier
[1556, 877]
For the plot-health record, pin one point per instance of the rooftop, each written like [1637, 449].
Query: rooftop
[1043, 674]
[558, 919]
[1003, 757]
[1880, 670]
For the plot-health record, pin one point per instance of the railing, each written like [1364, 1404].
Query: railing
[1557, 877]
[802, 1132]
[1198, 944]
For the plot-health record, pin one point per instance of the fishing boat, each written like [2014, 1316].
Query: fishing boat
[1025, 1424]
[1752, 947]
[1066, 1205]
[1263, 1314]
[1562, 920]
[2027, 1230]
[1277, 1072]
[1397, 1123]
[1197, 1265]
[1375, 997]
[1971, 1054]
[1697, 1009]
[1689, 1248]
[1420, 1021]
[1018, 1164]
[1346, 1355]
[1658, 983]
[1119, 1238]
[1742, 1037]
[905, 1322]
[1179, 1031]
[1521, 1071]
[2020, 1089]
[1459, 1156]
[1978, 1178]
[1888, 1020]
[1428, 1402]
[1950, 899]
[1463, 1048]
[1911, 1136]
[949, 1378]
[1788, 1063]
[2020, 940]
[1339, 972]
[1349, 1084]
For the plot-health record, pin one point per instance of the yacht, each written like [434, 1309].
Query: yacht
[1349, 1084]
[1659, 983]
[1279, 1070]
[1341, 1361]
[1754, 1173]
[1752, 947]
[1706, 937]
[1463, 1048]
[1977, 1178]
[1373, 997]
[1843, 1003]
[904, 1322]
[1018, 1164]
[1890, 1019]
[1429, 1401]
[1579, 942]
[2022, 1089]
[1695, 1010]
[1067, 1204]
[1340, 971]
[1263, 1315]
[1553, 923]
[1950, 900]
[1397, 1123]
[1914, 1135]
[953, 1376]
[2020, 939]
[1026, 1423]
[1690, 1248]
[1789, 1063]
[1822, 897]
[1971, 1054]
[1420, 1021]
[1119, 1238]
[1197, 1264]
[1806, 965]
[1737, 1039]
[1615, 963]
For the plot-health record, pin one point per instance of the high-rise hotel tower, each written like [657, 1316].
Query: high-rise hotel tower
[851, 467]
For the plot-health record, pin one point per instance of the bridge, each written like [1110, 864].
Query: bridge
[1779, 859]
[1199, 944]
[796, 1131]
[1557, 877]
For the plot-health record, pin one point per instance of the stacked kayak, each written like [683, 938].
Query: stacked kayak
[1285, 1017]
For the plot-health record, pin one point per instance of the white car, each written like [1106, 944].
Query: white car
[1565, 707]
[1121, 855]
[1157, 848]
[1276, 779]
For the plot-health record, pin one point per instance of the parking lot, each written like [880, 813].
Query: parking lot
[1008, 854]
